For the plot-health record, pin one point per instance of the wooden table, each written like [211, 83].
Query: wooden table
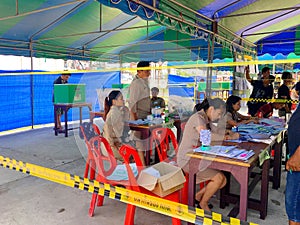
[94, 114]
[241, 172]
[65, 108]
[145, 135]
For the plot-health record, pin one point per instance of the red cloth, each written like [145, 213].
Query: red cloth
[266, 110]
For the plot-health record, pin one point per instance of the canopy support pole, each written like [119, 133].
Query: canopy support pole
[210, 58]
[31, 86]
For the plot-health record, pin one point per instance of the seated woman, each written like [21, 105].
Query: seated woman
[116, 114]
[232, 117]
[211, 111]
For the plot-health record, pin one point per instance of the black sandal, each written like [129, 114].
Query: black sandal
[197, 204]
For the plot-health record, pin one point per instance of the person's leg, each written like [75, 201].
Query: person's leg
[59, 121]
[217, 182]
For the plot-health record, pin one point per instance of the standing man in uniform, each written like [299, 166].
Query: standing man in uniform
[139, 102]
[63, 79]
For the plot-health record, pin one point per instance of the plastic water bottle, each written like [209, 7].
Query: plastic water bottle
[166, 114]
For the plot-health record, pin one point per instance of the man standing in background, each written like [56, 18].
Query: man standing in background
[139, 102]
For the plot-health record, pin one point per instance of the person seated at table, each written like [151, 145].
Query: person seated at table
[266, 110]
[114, 130]
[211, 110]
[233, 117]
[157, 102]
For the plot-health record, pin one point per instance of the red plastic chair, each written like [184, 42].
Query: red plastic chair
[162, 138]
[90, 162]
[128, 152]
[96, 129]
[106, 164]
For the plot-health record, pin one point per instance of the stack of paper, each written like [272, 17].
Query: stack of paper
[227, 151]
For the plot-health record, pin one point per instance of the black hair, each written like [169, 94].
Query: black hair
[286, 75]
[265, 69]
[155, 89]
[217, 103]
[66, 74]
[143, 64]
[233, 99]
[108, 101]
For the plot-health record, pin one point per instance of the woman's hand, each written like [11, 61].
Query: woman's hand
[232, 136]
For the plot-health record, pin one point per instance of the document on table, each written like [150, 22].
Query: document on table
[227, 151]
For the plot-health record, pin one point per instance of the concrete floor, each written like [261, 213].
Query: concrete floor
[30, 200]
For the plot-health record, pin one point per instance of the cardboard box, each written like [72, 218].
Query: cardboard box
[162, 179]
[69, 93]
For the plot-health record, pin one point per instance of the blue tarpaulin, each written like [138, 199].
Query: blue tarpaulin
[17, 88]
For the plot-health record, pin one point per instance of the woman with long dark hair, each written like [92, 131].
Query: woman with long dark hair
[115, 115]
[232, 116]
[211, 110]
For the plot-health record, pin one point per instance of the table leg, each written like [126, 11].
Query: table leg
[145, 137]
[55, 121]
[193, 168]
[66, 121]
[264, 189]
[241, 175]
[80, 115]
[277, 165]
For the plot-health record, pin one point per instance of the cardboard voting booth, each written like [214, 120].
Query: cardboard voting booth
[162, 179]
[69, 93]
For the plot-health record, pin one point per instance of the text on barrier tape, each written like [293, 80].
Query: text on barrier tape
[156, 204]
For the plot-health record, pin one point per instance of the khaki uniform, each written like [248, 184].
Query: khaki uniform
[113, 129]
[139, 97]
[229, 116]
[191, 138]
[139, 103]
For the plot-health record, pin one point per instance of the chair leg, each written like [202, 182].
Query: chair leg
[92, 170]
[92, 205]
[87, 167]
[100, 200]
[129, 216]
[176, 221]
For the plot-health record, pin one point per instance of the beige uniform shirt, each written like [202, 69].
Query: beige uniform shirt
[114, 127]
[236, 117]
[139, 97]
[190, 139]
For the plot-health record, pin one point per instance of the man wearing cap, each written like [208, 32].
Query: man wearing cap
[63, 79]
[139, 102]
[262, 90]
[157, 101]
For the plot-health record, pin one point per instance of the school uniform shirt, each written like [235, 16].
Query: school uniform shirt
[113, 129]
[139, 97]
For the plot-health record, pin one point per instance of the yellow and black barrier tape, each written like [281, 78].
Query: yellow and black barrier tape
[152, 203]
[272, 100]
